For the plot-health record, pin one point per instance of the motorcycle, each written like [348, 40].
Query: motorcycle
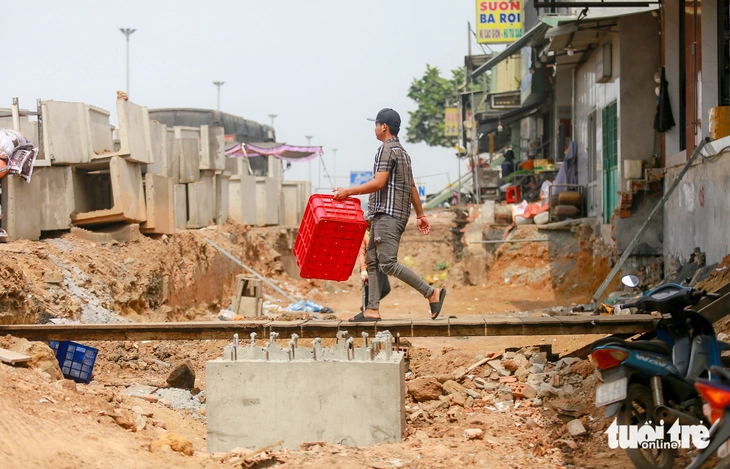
[717, 395]
[651, 382]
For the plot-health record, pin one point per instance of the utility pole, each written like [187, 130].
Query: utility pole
[218, 85]
[334, 150]
[273, 116]
[309, 144]
[127, 32]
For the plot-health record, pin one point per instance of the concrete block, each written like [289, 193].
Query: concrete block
[25, 125]
[66, 133]
[181, 206]
[134, 131]
[22, 205]
[160, 159]
[126, 201]
[180, 131]
[212, 147]
[242, 199]
[200, 202]
[160, 200]
[100, 131]
[231, 166]
[222, 199]
[267, 201]
[185, 152]
[55, 187]
[290, 204]
[125, 233]
[253, 400]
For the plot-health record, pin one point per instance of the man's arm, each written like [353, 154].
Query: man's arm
[373, 185]
[421, 220]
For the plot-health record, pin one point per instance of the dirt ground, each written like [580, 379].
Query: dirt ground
[50, 422]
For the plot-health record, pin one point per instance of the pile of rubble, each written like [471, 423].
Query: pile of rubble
[531, 387]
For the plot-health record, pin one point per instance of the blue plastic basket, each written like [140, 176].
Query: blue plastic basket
[76, 360]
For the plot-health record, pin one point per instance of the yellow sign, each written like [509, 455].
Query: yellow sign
[499, 22]
[451, 122]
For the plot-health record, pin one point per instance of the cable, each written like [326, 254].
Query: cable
[326, 173]
[716, 155]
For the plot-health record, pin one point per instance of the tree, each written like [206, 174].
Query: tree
[431, 93]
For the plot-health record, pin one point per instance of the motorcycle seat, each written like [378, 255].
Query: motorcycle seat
[653, 346]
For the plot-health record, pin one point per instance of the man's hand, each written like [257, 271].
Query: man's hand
[364, 277]
[423, 226]
[341, 193]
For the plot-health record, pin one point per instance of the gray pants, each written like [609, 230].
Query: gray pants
[381, 257]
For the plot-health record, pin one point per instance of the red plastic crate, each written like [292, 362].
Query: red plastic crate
[329, 238]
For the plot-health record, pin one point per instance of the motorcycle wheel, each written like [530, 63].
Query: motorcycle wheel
[637, 409]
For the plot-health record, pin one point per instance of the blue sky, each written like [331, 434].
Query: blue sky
[322, 66]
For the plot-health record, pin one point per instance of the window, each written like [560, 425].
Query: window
[610, 160]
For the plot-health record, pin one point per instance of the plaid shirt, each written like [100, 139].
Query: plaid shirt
[395, 198]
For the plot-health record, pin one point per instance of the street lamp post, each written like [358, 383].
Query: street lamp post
[273, 116]
[127, 32]
[309, 144]
[218, 85]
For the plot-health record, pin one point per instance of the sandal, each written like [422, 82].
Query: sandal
[436, 307]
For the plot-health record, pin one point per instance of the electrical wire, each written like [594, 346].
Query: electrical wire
[326, 173]
[716, 155]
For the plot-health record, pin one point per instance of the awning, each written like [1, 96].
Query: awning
[490, 123]
[530, 38]
[572, 40]
[291, 153]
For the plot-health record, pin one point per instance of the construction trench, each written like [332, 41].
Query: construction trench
[493, 380]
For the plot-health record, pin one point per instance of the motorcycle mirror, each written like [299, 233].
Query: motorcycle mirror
[631, 281]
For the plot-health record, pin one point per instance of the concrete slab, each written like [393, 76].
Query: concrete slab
[160, 199]
[66, 134]
[21, 203]
[134, 131]
[242, 199]
[231, 166]
[290, 204]
[123, 234]
[100, 131]
[55, 188]
[200, 202]
[180, 197]
[212, 145]
[253, 400]
[222, 199]
[127, 196]
[160, 159]
[267, 201]
[185, 152]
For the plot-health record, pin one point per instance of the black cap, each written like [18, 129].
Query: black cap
[387, 116]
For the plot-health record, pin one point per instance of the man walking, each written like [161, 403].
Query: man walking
[392, 191]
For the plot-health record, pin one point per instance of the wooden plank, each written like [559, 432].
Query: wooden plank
[428, 328]
[8, 356]
[284, 328]
[503, 325]
[313, 329]
[442, 327]
[467, 326]
[543, 325]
